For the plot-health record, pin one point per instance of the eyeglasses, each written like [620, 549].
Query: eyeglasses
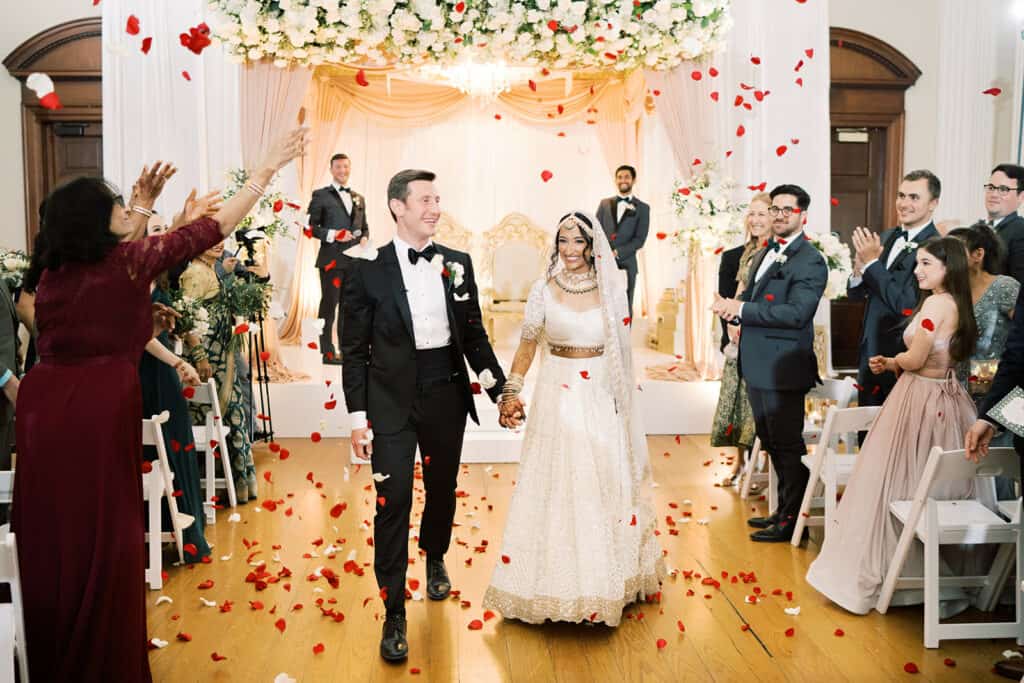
[786, 211]
[1002, 190]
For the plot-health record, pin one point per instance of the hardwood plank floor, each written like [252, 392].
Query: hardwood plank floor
[725, 639]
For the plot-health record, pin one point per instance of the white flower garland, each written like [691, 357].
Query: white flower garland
[709, 219]
[557, 34]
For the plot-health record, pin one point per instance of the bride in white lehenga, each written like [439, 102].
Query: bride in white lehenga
[579, 540]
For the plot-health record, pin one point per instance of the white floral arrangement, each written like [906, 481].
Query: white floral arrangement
[559, 34]
[195, 319]
[272, 214]
[13, 265]
[837, 258]
[708, 217]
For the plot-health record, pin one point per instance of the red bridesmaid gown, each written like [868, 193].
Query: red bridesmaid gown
[78, 508]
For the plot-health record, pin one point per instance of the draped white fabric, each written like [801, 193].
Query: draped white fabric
[150, 111]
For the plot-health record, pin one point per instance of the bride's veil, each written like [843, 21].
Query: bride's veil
[619, 357]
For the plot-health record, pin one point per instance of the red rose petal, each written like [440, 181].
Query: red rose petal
[475, 388]
[949, 662]
[315, 437]
[415, 671]
[476, 625]
[280, 625]
[907, 312]
[184, 637]
[361, 78]
[696, 75]
[755, 60]
[147, 43]
[661, 235]
[740, 131]
[790, 632]
[585, 374]
[217, 658]
[318, 648]
[546, 175]
[769, 297]
[191, 549]
[205, 585]
[780, 150]
[661, 643]
[994, 92]
[505, 559]
[186, 76]
[911, 668]
[809, 52]
[714, 95]
[928, 324]
[839, 633]
[834, 201]
[132, 26]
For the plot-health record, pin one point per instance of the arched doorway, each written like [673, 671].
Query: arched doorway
[869, 81]
[62, 144]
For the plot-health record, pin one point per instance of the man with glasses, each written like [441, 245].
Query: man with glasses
[1004, 193]
[883, 276]
[776, 310]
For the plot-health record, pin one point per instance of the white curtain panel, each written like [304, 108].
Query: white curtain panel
[150, 110]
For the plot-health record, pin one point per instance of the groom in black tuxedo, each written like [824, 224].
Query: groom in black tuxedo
[883, 275]
[337, 216]
[625, 220]
[787, 280]
[412, 320]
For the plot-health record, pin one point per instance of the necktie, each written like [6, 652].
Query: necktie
[429, 253]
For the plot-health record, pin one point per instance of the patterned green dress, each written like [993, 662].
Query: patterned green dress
[231, 373]
[734, 420]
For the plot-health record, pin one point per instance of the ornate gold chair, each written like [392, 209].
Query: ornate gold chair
[515, 253]
[451, 234]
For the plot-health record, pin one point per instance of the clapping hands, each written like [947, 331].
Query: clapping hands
[867, 244]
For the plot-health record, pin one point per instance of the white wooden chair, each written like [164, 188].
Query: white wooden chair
[450, 233]
[213, 430]
[958, 522]
[6, 487]
[829, 468]
[156, 484]
[840, 391]
[12, 620]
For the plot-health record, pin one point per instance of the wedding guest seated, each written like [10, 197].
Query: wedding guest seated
[161, 375]
[928, 407]
[733, 424]
[216, 356]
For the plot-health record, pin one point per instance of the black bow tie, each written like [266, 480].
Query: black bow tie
[429, 253]
[628, 200]
[904, 234]
[344, 189]
[775, 246]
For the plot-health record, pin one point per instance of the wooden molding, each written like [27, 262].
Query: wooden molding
[864, 61]
[71, 50]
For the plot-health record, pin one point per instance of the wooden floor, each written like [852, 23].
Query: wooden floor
[725, 639]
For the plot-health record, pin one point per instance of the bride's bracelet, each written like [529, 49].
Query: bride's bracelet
[510, 391]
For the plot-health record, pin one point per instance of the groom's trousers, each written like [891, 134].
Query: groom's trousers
[779, 422]
[437, 423]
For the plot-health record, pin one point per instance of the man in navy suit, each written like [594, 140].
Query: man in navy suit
[787, 280]
[883, 276]
[1004, 193]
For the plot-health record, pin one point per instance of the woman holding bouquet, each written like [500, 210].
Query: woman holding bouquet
[219, 355]
[162, 375]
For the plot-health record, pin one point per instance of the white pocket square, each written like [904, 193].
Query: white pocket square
[462, 297]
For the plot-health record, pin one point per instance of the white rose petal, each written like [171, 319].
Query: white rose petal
[234, 517]
[208, 603]
[792, 611]
[157, 643]
[378, 477]
[162, 599]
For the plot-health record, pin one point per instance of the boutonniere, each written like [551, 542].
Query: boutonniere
[357, 200]
[455, 273]
[781, 258]
[910, 246]
[630, 207]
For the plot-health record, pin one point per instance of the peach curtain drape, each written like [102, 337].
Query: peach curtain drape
[615, 105]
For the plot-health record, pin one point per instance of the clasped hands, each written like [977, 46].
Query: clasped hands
[727, 309]
[880, 364]
[511, 413]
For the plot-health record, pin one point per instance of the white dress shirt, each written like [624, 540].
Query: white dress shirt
[424, 289]
[620, 205]
[346, 199]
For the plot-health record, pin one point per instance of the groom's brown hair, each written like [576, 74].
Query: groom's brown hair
[398, 186]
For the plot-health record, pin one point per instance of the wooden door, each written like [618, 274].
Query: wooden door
[858, 180]
[72, 149]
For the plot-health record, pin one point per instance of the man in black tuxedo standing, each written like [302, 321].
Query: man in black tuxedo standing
[625, 220]
[412, 320]
[883, 276]
[337, 216]
[776, 310]
[1004, 194]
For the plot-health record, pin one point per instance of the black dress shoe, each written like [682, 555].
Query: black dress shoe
[332, 359]
[393, 645]
[762, 522]
[776, 533]
[438, 583]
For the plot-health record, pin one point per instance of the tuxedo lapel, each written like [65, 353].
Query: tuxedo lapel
[449, 290]
[390, 257]
[921, 238]
[754, 267]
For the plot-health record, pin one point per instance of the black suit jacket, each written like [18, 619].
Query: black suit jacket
[777, 340]
[377, 343]
[1011, 232]
[1010, 373]
[628, 236]
[728, 269]
[327, 212]
[888, 292]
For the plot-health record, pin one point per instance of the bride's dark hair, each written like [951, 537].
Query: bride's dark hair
[588, 251]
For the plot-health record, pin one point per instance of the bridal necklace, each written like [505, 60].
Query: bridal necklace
[576, 283]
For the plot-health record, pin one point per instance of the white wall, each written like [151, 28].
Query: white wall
[914, 28]
[21, 21]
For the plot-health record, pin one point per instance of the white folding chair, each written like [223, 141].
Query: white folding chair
[156, 484]
[213, 431]
[6, 487]
[830, 469]
[12, 619]
[957, 522]
[841, 392]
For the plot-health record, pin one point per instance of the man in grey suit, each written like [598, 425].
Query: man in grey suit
[625, 220]
[786, 282]
[337, 217]
[883, 276]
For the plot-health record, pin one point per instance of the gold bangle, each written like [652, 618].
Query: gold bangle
[258, 190]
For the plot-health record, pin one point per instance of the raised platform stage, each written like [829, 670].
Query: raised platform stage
[666, 407]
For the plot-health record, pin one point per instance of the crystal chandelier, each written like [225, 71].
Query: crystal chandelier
[484, 81]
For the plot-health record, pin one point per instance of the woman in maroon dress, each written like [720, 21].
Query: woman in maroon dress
[78, 509]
